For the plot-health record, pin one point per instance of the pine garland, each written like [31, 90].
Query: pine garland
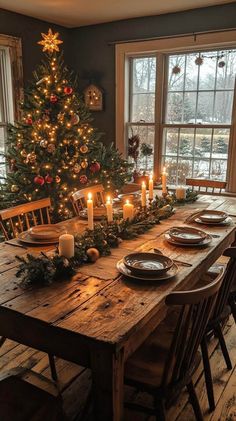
[44, 270]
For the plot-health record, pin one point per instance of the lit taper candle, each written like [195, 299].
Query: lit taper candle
[109, 209]
[143, 197]
[90, 211]
[150, 187]
[164, 181]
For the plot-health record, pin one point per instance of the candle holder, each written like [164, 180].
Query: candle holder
[164, 195]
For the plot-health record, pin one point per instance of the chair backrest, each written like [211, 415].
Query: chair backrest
[228, 281]
[79, 198]
[196, 307]
[20, 218]
[206, 186]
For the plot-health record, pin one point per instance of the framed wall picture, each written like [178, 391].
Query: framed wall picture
[93, 98]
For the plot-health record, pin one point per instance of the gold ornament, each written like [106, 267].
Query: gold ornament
[93, 254]
[84, 164]
[51, 148]
[14, 188]
[83, 149]
[44, 143]
[31, 158]
[23, 153]
[77, 168]
[50, 42]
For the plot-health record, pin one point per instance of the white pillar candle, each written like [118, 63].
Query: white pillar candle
[90, 211]
[164, 181]
[143, 197]
[180, 193]
[66, 245]
[109, 209]
[128, 210]
[150, 187]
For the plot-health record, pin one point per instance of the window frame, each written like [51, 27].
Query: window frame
[162, 48]
[12, 89]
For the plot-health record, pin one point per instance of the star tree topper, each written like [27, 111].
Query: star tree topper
[50, 41]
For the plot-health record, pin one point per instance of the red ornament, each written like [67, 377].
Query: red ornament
[29, 121]
[83, 179]
[95, 167]
[39, 180]
[48, 179]
[53, 98]
[68, 90]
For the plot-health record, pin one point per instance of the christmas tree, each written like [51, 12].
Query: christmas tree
[54, 150]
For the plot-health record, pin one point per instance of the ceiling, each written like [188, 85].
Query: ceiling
[74, 13]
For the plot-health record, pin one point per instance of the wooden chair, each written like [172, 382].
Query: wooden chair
[203, 185]
[21, 400]
[167, 360]
[79, 198]
[223, 309]
[20, 218]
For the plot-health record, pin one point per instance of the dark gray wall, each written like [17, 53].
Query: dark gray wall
[91, 54]
[29, 30]
[88, 53]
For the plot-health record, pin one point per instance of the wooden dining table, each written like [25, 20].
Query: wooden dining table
[98, 318]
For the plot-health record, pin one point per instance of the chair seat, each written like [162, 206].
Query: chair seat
[22, 401]
[146, 365]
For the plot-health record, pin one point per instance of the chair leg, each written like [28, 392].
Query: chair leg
[2, 340]
[223, 346]
[53, 367]
[160, 409]
[194, 401]
[232, 303]
[207, 374]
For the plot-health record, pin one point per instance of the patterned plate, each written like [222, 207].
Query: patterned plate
[167, 275]
[46, 232]
[227, 221]
[204, 242]
[25, 237]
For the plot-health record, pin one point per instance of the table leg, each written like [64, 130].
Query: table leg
[108, 383]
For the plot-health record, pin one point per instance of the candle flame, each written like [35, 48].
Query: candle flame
[164, 169]
[127, 202]
[89, 196]
[143, 184]
[151, 176]
[108, 199]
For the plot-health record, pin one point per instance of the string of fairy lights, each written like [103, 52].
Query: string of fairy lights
[45, 132]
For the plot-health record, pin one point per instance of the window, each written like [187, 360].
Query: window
[178, 106]
[6, 104]
[199, 101]
[10, 80]
[141, 123]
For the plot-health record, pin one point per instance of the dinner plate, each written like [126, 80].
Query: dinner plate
[46, 232]
[187, 235]
[126, 272]
[204, 242]
[132, 197]
[227, 221]
[213, 216]
[25, 237]
[147, 264]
